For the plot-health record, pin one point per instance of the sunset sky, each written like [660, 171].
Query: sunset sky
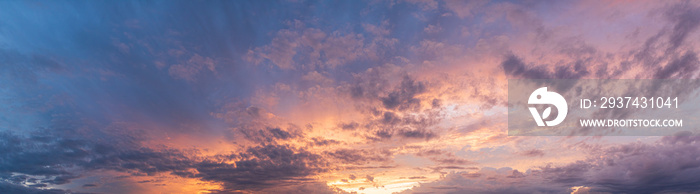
[327, 96]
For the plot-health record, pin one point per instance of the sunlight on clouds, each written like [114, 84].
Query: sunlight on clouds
[314, 97]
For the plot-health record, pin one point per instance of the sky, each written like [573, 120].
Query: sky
[327, 96]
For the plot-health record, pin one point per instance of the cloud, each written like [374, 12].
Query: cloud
[669, 165]
[420, 134]
[412, 126]
[403, 97]
[14, 188]
[686, 19]
[514, 67]
[396, 109]
[89, 185]
[334, 92]
[262, 167]
[488, 180]
[426, 5]
[259, 133]
[319, 141]
[312, 187]
[349, 126]
[255, 168]
[53, 158]
[533, 153]
[191, 68]
[321, 49]
[444, 158]
[464, 9]
[359, 156]
[683, 68]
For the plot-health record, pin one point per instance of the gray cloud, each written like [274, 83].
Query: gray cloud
[532, 153]
[684, 67]
[515, 68]
[52, 157]
[7, 187]
[262, 167]
[359, 156]
[686, 19]
[256, 168]
[670, 165]
[403, 96]
[391, 125]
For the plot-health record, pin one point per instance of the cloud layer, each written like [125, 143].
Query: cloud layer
[367, 97]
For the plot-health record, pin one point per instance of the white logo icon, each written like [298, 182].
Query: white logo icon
[542, 96]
